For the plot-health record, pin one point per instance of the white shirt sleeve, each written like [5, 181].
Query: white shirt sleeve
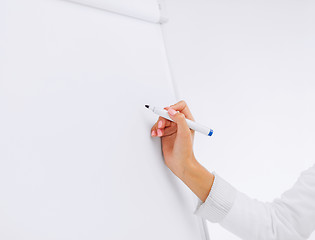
[292, 217]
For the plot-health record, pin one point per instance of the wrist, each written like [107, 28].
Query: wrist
[191, 168]
[188, 167]
[198, 179]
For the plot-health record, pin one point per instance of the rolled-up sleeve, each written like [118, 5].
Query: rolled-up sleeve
[219, 201]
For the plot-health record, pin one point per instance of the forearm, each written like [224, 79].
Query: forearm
[198, 179]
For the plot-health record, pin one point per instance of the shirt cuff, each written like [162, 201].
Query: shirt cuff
[219, 201]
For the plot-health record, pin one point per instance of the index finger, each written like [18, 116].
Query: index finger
[182, 107]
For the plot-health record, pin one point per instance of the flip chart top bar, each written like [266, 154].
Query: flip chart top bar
[147, 10]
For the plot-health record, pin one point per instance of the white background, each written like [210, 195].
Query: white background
[246, 68]
[76, 157]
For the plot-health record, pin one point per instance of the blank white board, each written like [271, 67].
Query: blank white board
[76, 157]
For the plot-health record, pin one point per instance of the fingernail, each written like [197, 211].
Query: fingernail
[153, 133]
[160, 124]
[172, 111]
[159, 132]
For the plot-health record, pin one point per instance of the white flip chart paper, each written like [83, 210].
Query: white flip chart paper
[77, 161]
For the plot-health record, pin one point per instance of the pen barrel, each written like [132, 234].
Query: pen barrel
[163, 113]
[191, 124]
[198, 127]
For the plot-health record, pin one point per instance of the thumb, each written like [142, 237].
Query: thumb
[179, 118]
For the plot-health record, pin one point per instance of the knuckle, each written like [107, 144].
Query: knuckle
[182, 102]
[181, 116]
[154, 126]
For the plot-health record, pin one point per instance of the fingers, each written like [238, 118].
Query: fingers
[159, 127]
[178, 112]
[180, 120]
[160, 132]
[153, 131]
[170, 130]
[162, 123]
[182, 107]
[167, 131]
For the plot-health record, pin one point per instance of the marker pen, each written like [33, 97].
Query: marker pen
[191, 124]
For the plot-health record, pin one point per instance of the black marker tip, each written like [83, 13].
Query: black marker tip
[147, 106]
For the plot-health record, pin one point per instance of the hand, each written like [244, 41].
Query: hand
[177, 139]
[177, 146]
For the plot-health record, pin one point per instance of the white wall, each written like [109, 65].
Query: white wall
[246, 68]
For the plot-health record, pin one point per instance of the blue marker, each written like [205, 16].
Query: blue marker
[191, 124]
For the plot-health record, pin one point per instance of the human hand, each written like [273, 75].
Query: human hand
[177, 146]
[177, 139]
